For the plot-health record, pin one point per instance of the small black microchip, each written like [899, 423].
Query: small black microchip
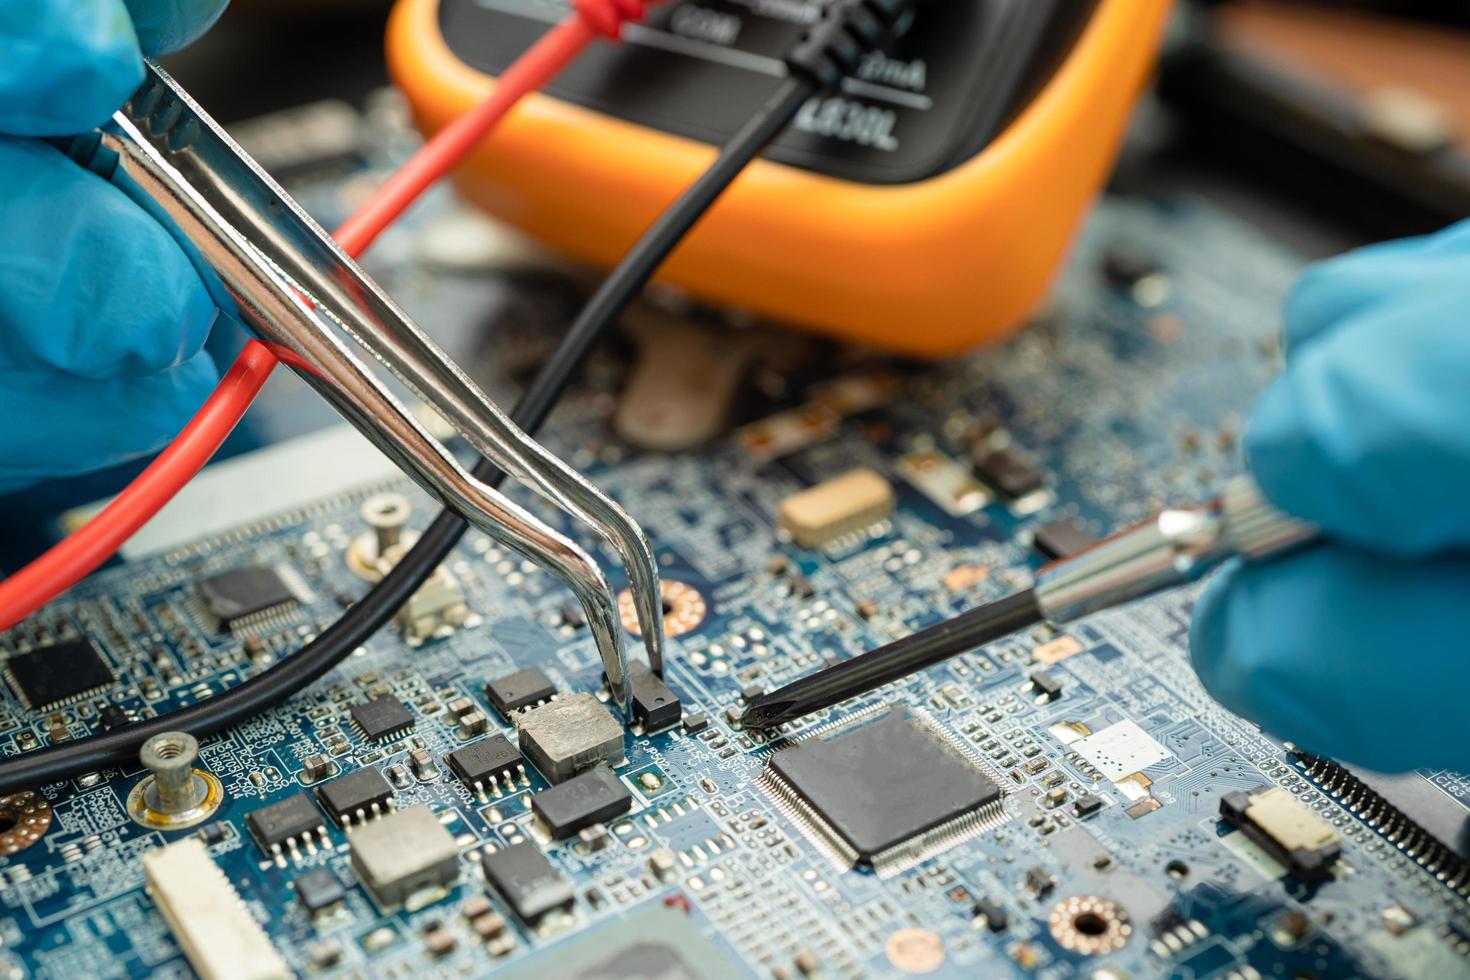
[991, 912]
[242, 592]
[213, 832]
[382, 719]
[319, 890]
[491, 764]
[289, 823]
[1045, 686]
[884, 782]
[113, 717]
[519, 690]
[527, 881]
[1039, 882]
[588, 798]
[1010, 471]
[1086, 805]
[655, 705]
[1056, 539]
[58, 674]
[356, 796]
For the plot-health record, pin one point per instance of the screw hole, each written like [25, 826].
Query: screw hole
[1090, 924]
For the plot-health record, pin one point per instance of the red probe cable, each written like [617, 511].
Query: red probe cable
[69, 561]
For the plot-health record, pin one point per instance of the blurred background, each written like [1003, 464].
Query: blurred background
[1331, 122]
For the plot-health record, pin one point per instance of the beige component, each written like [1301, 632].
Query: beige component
[943, 480]
[844, 504]
[1288, 823]
[965, 577]
[207, 917]
[1055, 651]
[680, 391]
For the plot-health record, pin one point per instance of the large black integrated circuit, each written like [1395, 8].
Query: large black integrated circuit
[884, 790]
[381, 719]
[241, 593]
[289, 824]
[58, 674]
[588, 798]
[356, 796]
[490, 765]
[528, 882]
[519, 690]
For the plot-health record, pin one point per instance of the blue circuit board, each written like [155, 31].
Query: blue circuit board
[1124, 397]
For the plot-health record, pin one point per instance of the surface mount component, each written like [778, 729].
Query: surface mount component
[655, 705]
[406, 858]
[357, 796]
[59, 674]
[241, 595]
[490, 766]
[291, 825]
[320, 891]
[528, 882]
[571, 734]
[1288, 831]
[520, 690]
[943, 480]
[1010, 471]
[208, 920]
[588, 798]
[382, 719]
[835, 508]
[885, 791]
[991, 914]
[1045, 686]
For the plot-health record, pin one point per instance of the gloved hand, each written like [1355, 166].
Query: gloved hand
[102, 313]
[1356, 648]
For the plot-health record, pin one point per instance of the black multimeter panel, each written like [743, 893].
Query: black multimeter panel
[957, 72]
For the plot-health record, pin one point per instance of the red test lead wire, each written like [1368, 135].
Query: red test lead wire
[72, 559]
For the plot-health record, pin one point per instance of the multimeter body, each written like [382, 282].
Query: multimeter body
[922, 207]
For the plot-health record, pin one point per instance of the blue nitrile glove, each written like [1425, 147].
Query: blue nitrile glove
[1357, 648]
[102, 314]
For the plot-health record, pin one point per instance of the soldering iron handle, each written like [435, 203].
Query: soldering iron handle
[1177, 546]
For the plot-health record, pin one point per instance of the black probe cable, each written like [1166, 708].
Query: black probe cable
[827, 52]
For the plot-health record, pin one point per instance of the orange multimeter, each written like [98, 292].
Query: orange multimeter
[921, 207]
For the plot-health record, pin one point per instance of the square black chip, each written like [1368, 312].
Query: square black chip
[886, 791]
[381, 719]
[356, 796]
[241, 593]
[61, 673]
[519, 690]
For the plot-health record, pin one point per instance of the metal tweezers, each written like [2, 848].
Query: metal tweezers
[300, 293]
